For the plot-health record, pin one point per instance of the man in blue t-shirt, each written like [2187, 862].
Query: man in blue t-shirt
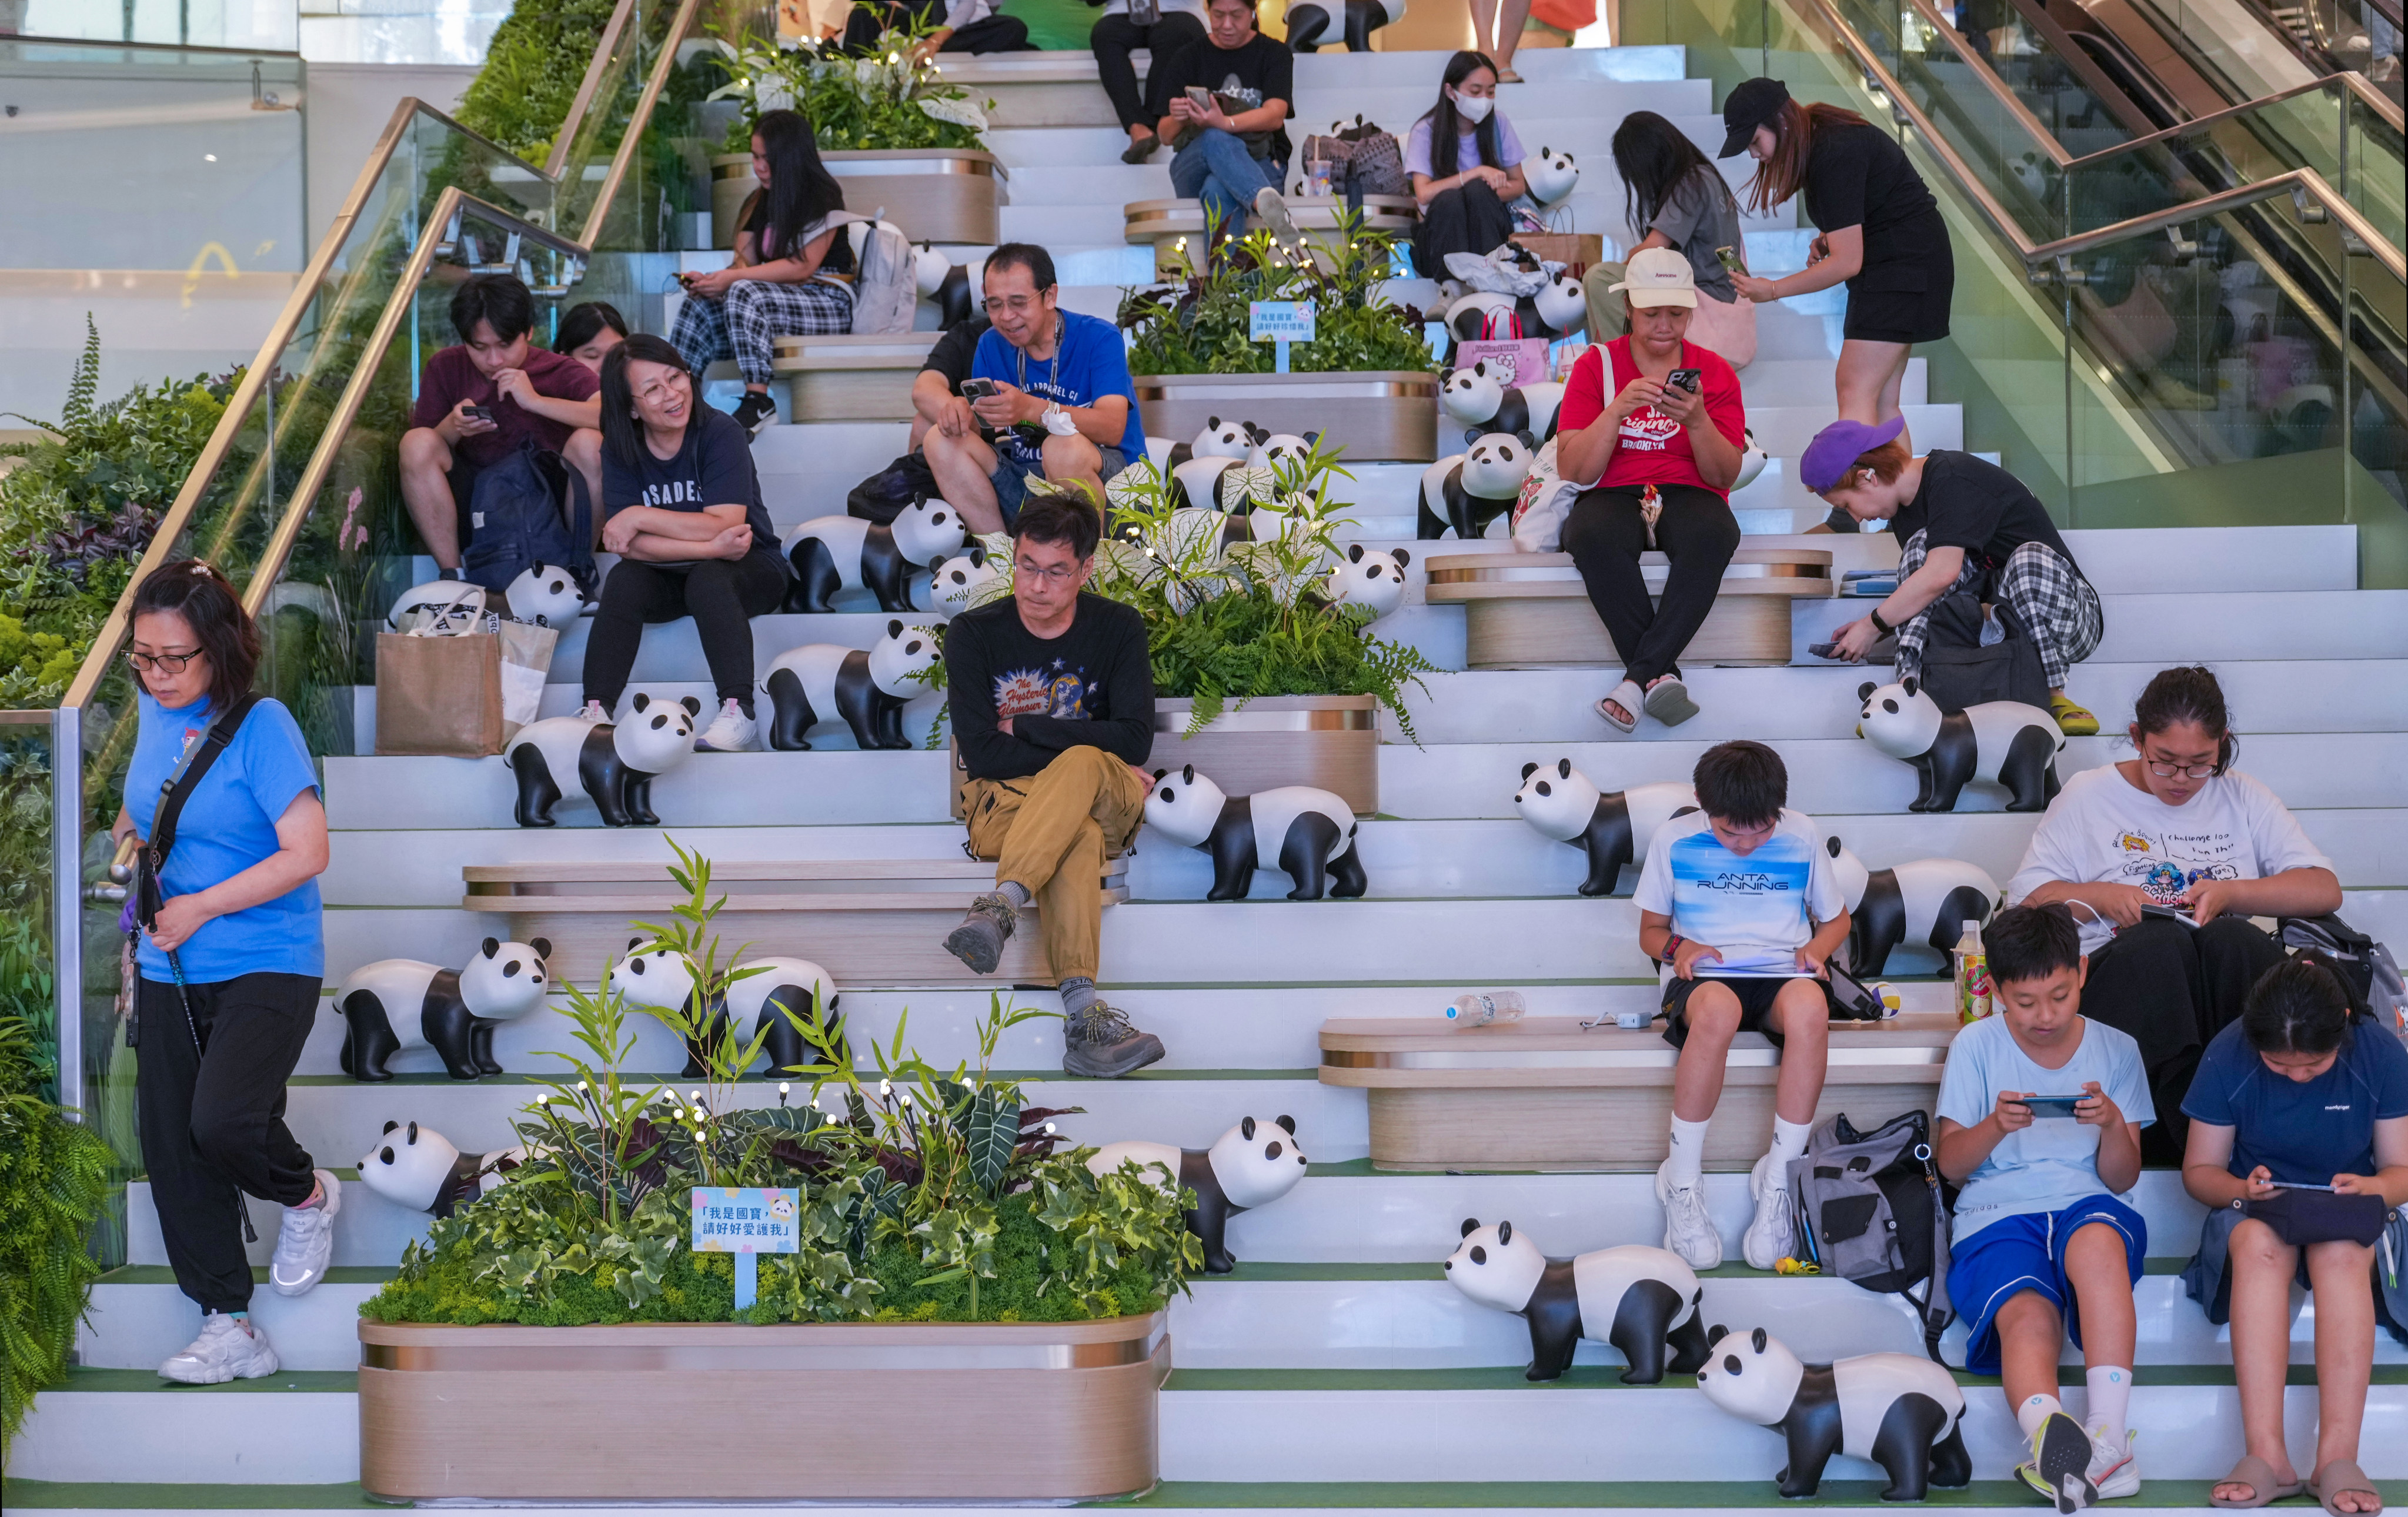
[1049, 394]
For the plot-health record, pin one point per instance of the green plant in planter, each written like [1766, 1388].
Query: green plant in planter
[891, 99]
[54, 1178]
[1197, 321]
[533, 67]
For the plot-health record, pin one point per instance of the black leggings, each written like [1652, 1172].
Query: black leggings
[2173, 988]
[1605, 535]
[722, 597]
[1467, 218]
[212, 1118]
[1113, 40]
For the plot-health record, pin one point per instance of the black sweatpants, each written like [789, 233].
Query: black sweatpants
[1605, 534]
[989, 34]
[722, 597]
[1113, 40]
[1467, 218]
[2173, 988]
[212, 1118]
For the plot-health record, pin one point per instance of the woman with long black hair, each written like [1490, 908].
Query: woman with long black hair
[1466, 167]
[588, 331]
[1675, 197]
[793, 274]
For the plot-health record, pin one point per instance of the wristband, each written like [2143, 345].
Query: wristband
[1881, 626]
[1672, 947]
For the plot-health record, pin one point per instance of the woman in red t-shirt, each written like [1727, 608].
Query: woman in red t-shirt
[1640, 432]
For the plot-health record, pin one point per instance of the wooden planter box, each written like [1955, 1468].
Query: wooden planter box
[951, 1411]
[852, 379]
[1382, 416]
[1531, 611]
[935, 194]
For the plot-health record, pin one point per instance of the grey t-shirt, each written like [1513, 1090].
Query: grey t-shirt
[1700, 215]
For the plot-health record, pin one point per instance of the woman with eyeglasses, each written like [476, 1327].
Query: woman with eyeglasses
[231, 959]
[2162, 859]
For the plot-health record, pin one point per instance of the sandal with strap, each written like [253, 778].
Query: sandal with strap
[2071, 719]
[2264, 1485]
[2338, 1475]
[1667, 701]
[1630, 698]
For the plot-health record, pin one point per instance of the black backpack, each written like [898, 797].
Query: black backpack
[1958, 671]
[882, 497]
[530, 508]
[1869, 1208]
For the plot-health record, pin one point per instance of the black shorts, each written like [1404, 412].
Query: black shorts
[1880, 311]
[1756, 994]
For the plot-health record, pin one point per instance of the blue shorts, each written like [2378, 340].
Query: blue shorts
[1012, 475]
[2027, 1253]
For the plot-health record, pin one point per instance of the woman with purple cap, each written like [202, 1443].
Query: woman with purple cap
[1960, 522]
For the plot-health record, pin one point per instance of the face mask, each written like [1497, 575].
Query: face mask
[1474, 108]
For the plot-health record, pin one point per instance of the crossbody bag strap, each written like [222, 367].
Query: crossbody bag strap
[179, 786]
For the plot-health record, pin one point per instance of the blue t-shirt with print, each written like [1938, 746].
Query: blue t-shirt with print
[2303, 1132]
[2053, 1163]
[228, 824]
[1090, 364]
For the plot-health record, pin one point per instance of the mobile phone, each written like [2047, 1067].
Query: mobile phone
[1731, 260]
[1824, 649]
[2174, 913]
[2287, 1186]
[1200, 97]
[1687, 379]
[2052, 1106]
[478, 413]
[977, 388]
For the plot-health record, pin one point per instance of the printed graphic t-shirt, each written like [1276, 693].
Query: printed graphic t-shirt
[1092, 687]
[1088, 364]
[1653, 448]
[1244, 79]
[451, 377]
[1755, 909]
[713, 466]
[2053, 1163]
[2103, 828]
[2302, 1132]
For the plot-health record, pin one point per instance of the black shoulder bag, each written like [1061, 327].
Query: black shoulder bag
[152, 857]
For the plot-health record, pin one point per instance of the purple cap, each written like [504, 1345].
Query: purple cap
[1827, 459]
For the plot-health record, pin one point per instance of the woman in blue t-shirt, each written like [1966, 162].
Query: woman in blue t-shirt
[2299, 1092]
[232, 961]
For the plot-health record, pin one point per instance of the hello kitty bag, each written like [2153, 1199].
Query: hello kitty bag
[1545, 501]
[1514, 359]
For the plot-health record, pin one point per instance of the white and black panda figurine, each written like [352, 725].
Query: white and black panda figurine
[954, 582]
[1219, 439]
[395, 1004]
[945, 284]
[1902, 1412]
[1551, 176]
[1557, 309]
[866, 688]
[1306, 833]
[2006, 742]
[1612, 828]
[1644, 1301]
[1251, 1164]
[1474, 488]
[844, 552]
[1270, 450]
[1372, 578]
[546, 594]
[612, 763]
[1477, 398]
[756, 1004]
[421, 1170]
[1308, 25]
[1215, 484]
[1928, 900]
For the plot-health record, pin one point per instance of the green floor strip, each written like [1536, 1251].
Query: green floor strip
[162, 1275]
[284, 1382]
[1716, 1494]
[69, 1496]
[1609, 1378]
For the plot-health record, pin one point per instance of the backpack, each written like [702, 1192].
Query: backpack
[886, 272]
[529, 507]
[1960, 669]
[881, 498]
[1869, 1210]
[2364, 967]
[1364, 161]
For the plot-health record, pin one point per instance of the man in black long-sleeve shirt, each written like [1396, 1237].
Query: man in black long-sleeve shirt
[1052, 696]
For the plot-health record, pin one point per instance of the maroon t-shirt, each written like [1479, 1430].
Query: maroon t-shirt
[451, 377]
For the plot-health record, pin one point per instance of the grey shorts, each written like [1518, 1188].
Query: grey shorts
[1012, 475]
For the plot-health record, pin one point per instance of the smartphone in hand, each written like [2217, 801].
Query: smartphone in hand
[478, 413]
[1200, 97]
[1731, 260]
[2052, 1106]
[977, 388]
[1687, 379]
[1824, 649]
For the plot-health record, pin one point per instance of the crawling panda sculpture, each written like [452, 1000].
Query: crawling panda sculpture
[2007, 742]
[546, 594]
[868, 688]
[396, 1004]
[1219, 439]
[1308, 25]
[1557, 309]
[1479, 399]
[754, 1004]
[1641, 1300]
[421, 1170]
[1370, 578]
[1924, 900]
[1251, 1164]
[830, 553]
[612, 763]
[955, 583]
[1613, 828]
[1475, 487]
[1306, 833]
[1269, 449]
[1551, 176]
[1902, 1412]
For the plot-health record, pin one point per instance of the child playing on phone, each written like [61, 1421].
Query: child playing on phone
[2043, 1250]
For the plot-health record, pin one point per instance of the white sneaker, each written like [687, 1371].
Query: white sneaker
[1687, 1230]
[594, 711]
[305, 1245]
[2063, 1455]
[2113, 1468]
[224, 1351]
[730, 732]
[1772, 1236]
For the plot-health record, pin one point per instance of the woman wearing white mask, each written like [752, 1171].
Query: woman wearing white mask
[1465, 165]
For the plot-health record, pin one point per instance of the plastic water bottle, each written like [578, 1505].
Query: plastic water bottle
[1482, 1008]
[1972, 967]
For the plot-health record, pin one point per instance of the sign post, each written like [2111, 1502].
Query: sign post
[1280, 322]
[746, 1222]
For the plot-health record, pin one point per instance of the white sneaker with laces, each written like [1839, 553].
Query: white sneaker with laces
[2113, 1468]
[305, 1245]
[224, 1351]
[1772, 1236]
[730, 732]
[594, 711]
[1687, 1230]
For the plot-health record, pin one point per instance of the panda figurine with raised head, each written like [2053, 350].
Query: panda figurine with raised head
[545, 594]
[396, 1004]
[1642, 1301]
[1551, 176]
[420, 1169]
[1612, 828]
[1479, 399]
[612, 763]
[1905, 1413]
[2005, 742]
[1270, 450]
[756, 1004]
[868, 688]
[956, 582]
[1924, 900]
[1370, 578]
[830, 553]
[1306, 833]
[1251, 1164]
[1468, 491]
[1219, 439]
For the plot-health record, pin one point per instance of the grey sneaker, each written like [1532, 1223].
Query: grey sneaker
[1099, 1044]
[979, 940]
[1271, 207]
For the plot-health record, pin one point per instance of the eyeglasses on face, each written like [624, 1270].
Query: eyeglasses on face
[2188, 771]
[1016, 304]
[1059, 575]
[166, 663]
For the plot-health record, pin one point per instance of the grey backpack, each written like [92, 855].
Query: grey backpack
[1869, 1210]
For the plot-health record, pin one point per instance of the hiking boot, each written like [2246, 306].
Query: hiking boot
[755, 411]
[1687, 1230]
[1099, 1044]
[226, 1350]
[979, 940]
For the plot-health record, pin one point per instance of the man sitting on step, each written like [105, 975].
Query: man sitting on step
[1051, 696]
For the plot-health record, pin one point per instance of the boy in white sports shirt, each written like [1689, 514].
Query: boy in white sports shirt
[1738, 903]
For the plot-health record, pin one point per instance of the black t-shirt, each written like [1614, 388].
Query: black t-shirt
[754, 218]
[1091, 687]
[952, 353]
[713, 466]
[1857, 176]
[1971, 503]
[1245, 79]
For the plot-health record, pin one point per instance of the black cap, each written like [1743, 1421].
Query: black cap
[1753, 104]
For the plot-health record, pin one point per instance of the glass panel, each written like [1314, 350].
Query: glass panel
[2377, 169]
[635, 213]
[194, 23]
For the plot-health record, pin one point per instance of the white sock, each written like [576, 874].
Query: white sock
[2111, 1397]
[2036, 1410]
[1788, 1143]
[1688, 1161]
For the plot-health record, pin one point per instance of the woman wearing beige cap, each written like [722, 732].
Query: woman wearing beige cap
[1660, 441]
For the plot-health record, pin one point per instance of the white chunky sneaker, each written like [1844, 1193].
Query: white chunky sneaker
[731, 732]
[1687, 1230]
[1772, 1236]
[2113, 1468]
[594, 711]
[224, 1351]
[305, 1245]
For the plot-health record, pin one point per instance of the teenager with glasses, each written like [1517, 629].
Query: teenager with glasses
[2162, 859]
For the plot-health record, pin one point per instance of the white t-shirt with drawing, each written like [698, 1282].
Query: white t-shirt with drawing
[1756, 906]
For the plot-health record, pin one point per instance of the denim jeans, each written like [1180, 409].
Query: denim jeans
[1216, 169]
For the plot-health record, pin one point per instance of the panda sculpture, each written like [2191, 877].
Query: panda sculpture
[844, 552]
[1370, 578]
[1479, 399]
[1644, 1301]
[546, 594]
[1218, 484]
[1308, 25]
[866, 688]
[955, 583]
[1474, 488]
[1927, 900]
[1251, 1164]
[1269, 449]
[1905, 1413]
[1557, 309]
[2007, 742]
[1752, 461]
[612, 763]
[1219, 439]
[1306, 833]
[397, 1004]
[1551, 176]
[1612, 828]
[756, 1004]
[423, 1171]
[946, 284]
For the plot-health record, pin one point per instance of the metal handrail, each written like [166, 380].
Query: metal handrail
[595, 67]
[653, 86]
